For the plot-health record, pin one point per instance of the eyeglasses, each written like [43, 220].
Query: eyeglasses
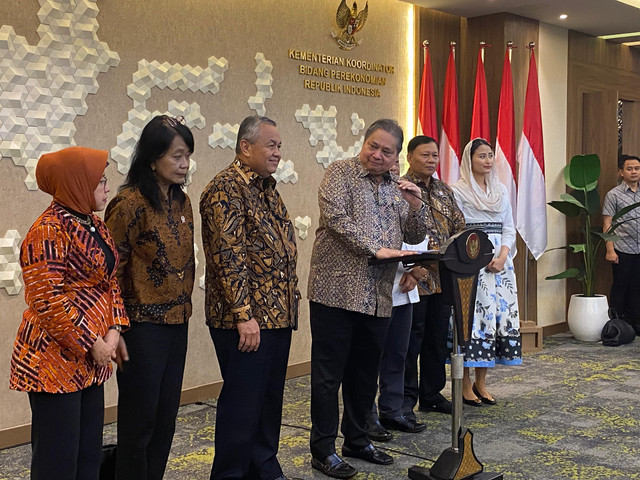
[174, 121]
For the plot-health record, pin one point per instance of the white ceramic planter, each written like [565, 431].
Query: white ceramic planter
[587, 316]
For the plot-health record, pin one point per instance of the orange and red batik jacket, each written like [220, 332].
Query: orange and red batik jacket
[71, 301]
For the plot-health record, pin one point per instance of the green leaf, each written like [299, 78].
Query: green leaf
[624, 210]
[569, 209]
[565, 197]
[578, 247]
[592, 202]
[607, 237]
[584, 171]
[569, 273]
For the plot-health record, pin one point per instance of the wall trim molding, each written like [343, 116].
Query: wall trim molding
[21, 434]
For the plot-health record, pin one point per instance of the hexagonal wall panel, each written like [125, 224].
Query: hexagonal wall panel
[322, 125]
[10, 262]
[43, 88]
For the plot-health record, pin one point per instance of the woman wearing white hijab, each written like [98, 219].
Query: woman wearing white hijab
[496, 325]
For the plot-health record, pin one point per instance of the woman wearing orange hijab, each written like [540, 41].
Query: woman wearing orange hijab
[71, 327]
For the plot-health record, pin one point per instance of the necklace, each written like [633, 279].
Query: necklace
[84, 221]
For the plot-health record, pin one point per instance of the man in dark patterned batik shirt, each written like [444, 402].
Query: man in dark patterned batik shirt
[251, 302]
[364, 213]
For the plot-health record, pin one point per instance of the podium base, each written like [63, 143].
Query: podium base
[421, 473]
[455, 463]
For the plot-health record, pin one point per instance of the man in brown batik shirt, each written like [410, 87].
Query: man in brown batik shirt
[251, 302]
[363, 214]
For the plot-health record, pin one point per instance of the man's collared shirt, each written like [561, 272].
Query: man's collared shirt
[250, 249]
[617, 198]
[444, 220]
[358, 217]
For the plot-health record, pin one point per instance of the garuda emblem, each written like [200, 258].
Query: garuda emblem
[349, 22]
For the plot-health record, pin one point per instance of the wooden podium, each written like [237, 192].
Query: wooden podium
[459, 261]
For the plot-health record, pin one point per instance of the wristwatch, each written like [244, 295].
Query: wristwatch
[116, 327]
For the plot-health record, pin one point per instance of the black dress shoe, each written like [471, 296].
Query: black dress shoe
[488, 401]
[369, 454]
[378, 433]
[402, 424]
[439, 404]
[334, 466]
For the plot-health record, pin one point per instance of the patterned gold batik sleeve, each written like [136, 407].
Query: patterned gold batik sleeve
[227, 224]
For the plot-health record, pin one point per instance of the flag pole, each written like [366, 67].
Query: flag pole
[529, 255]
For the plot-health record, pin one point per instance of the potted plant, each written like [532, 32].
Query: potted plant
[588, 310]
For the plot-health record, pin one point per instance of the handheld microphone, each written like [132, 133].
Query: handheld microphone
[387, 176]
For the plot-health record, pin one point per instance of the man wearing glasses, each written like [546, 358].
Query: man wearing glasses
[364, 213]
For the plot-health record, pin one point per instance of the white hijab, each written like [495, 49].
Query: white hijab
[471, 192]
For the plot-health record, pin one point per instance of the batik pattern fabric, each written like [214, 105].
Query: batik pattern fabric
[444, 220]
[71, 301]
[157, 261]
[250, 249]
[495, 337]
[496, 324]
[358, 217]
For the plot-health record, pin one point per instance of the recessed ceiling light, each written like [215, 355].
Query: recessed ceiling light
[620, 35]
[563, 16]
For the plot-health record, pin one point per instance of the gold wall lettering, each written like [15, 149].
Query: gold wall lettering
[372, 73]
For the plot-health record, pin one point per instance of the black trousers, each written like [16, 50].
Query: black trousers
[250, 405]
[66, 434]
[149, 388]
[625, 289]
[346, 349]
[428, 340]
[391, 398]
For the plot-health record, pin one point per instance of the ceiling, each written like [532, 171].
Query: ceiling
[594, 17]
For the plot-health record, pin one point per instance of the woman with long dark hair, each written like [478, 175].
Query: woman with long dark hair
[152, 224]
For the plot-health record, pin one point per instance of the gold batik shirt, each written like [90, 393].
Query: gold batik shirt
[444, 223]
[358, 217]
[250, 248]
[157, 262]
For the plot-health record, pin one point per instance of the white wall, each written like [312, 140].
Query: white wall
[552, 57]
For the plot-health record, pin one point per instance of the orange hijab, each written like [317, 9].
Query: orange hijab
[71, 175]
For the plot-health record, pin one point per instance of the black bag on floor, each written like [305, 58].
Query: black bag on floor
[108, 466]
[617, 331]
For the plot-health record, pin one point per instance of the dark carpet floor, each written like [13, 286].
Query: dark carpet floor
[571, 411]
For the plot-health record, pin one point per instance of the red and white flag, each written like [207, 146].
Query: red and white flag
[427, 107]
[449, 168]
[532, 204]
[506, 134]
[480, 116]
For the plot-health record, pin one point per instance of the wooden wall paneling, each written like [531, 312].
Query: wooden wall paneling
[597, 70]
[440, 29]
[600, 136]
[489, 29]
[596, 51]
[631, 128]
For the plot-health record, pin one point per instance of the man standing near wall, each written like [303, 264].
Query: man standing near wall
[363, 215]
[624, 254]
[251, 302]
[430, 323]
